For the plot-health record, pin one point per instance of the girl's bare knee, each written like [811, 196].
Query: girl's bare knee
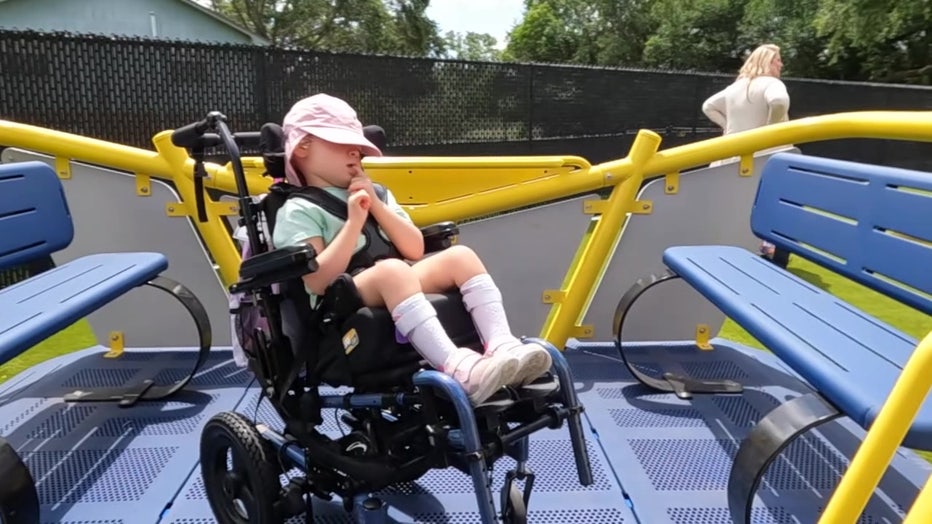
[461, 252]
[464, 262]
[395, 269]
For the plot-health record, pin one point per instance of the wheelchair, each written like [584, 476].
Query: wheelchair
[404, 419]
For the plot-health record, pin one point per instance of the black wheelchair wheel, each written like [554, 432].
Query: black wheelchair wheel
[19, 501]
[515, 510]
[240, 471]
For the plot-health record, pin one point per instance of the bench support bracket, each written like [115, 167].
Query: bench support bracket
[683, 386]
[148, 390]
[764, 443]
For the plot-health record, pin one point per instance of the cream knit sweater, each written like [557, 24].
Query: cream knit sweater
[740, 106]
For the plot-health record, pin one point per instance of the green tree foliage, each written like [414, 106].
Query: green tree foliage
[891, 40]
[881, 40]
[583, 32]
[701, 34]
[878, 40]
[472, 46]
[399, 27]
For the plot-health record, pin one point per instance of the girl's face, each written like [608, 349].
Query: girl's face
[327, 163]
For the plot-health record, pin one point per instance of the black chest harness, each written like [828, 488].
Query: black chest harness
[376, 247]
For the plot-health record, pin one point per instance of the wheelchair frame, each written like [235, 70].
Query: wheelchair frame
[443, 424]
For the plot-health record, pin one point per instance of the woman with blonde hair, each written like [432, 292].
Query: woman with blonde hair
[756, 98]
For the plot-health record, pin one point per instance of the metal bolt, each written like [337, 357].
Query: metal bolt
[646, 206]
[171, 209]
[144, 190]
[670, 188]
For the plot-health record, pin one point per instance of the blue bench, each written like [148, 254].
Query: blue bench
[870, 224]
[34, 223]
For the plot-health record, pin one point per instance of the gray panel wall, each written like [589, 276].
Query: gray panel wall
[109, 217]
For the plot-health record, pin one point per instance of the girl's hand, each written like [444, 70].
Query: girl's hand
[358, 207]
[361, 182]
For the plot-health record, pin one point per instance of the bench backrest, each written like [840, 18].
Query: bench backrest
[872, 224]
[34, 216]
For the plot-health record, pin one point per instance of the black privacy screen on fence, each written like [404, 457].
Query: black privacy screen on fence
[126, 90]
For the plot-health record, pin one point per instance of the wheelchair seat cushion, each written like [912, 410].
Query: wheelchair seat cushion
[374, 353]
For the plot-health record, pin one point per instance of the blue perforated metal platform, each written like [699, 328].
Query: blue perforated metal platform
[655, 458]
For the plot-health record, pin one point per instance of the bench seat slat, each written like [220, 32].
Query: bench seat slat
[827, 341]
[39, 307]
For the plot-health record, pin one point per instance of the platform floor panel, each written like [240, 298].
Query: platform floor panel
[446, 496]
[673, 456]
[98, 462]
[655, 458]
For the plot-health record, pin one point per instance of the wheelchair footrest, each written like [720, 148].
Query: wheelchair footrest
[542, 387]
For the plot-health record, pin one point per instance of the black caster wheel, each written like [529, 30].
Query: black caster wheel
[19, 501]
[240, 471]
[514, 510]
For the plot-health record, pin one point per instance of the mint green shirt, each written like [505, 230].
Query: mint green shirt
[300, 219]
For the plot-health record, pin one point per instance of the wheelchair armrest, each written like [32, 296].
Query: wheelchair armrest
[440, 236]
[275, 266]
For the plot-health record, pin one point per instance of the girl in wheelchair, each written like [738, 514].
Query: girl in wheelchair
[324, 145]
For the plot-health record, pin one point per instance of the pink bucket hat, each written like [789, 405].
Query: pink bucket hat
[328, 118]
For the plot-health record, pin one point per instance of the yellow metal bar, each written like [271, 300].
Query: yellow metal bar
[883, 438]
[219, 243]
[82, 149]
[921, 512]
[595, 250]
[895, 125]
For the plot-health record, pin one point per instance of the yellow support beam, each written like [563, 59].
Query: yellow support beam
[594, 252]
[882, 440]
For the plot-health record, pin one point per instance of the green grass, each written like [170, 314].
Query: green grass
[74, 337]
[915, 323]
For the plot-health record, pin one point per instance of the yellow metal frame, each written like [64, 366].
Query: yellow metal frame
[460, 188]
[881, 443]
[921, 512]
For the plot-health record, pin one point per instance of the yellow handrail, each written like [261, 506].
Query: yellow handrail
[496, 184]
[882, 440]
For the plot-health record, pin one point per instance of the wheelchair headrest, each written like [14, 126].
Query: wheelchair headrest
[376, 135]
[272, 145]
